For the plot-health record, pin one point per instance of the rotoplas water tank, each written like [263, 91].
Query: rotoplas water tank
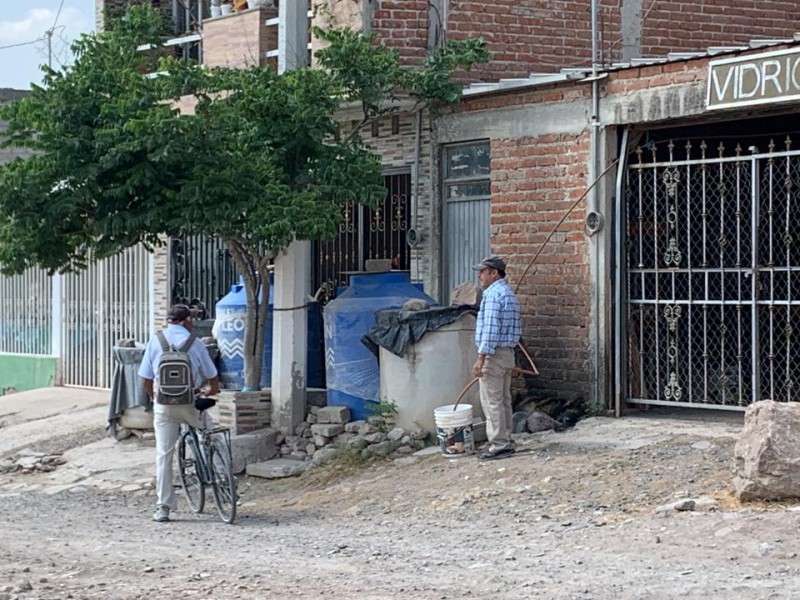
[231, 311]
[352, 371]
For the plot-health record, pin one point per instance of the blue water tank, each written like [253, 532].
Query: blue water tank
[229, 328]
[352, 370]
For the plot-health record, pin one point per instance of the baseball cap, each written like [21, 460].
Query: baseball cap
[490, 262]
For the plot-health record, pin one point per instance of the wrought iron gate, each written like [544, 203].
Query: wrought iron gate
[365, 233]
[201, 271]
[713, 275]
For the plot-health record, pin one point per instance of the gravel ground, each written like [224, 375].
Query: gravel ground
[570, 516]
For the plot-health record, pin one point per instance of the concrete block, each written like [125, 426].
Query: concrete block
[333, 414]
[317, 397]
[243, 412]
[255, 446]
[378, 265]
[328, 429]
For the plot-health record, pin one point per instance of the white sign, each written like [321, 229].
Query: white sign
[767, 78]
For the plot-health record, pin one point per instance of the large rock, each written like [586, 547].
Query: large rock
[277, 468]
[468, 292]
[539, 421]
[767, 453]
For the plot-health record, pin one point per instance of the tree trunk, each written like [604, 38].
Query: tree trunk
[249, 263]
[252, 326]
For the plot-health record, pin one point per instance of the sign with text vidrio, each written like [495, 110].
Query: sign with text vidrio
[768, 78]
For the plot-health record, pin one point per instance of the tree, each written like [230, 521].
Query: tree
[261, 162]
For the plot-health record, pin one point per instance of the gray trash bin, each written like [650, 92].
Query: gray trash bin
[127, 392]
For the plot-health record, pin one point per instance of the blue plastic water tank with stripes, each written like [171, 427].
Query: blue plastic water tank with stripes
[231, 311]
[352, 371]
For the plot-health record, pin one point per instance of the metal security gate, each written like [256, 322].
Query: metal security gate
[366, 234]
[107, 302]
[201, 271]
[712, 275]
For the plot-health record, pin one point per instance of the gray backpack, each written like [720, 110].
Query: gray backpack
[175, 381]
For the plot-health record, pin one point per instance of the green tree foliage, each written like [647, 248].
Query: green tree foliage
[260, 162]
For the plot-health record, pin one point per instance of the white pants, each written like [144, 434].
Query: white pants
[495, 391]
[167, 421]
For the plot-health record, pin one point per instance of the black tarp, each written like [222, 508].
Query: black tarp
[396, 328]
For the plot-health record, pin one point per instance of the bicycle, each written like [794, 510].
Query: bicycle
[204, 459]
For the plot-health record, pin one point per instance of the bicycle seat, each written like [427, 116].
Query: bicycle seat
[201, 403]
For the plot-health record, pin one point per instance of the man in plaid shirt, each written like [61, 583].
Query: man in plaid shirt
[497, 332]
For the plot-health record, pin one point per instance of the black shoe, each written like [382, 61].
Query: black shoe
[489, 454]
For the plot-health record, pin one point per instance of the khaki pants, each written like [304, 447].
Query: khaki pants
[495, 390]
[167, 421]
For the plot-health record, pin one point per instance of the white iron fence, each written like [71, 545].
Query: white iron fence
[26, 310]
[94, 309]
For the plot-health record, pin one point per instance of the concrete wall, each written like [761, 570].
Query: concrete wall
[20, 372]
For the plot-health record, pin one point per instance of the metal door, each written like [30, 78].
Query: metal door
[366, 234]
[712, 281]
[467, 208]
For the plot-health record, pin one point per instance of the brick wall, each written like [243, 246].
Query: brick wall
[527, 36]
[403, 25]
[239, 39]
[670, 26]
[535, 180]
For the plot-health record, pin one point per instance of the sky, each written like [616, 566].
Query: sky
[26, 22]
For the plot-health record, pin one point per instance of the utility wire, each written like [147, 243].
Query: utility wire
[22, 44]
[58, 14]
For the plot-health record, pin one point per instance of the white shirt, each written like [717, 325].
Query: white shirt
[203, 367]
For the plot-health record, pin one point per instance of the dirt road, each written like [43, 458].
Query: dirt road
[571, 516]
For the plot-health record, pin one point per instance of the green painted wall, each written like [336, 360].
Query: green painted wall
[26, 372]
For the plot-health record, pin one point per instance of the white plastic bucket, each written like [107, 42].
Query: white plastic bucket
[454, 429]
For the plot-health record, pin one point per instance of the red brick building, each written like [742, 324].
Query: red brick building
[535, 128]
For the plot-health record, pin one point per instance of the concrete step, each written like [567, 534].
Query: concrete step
[253, 447]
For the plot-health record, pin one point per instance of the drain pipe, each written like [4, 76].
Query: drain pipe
[412, 234]
[593, 214]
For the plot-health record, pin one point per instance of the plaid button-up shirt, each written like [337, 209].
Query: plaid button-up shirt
[499, 324]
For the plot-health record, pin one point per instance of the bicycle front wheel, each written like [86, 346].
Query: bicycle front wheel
[189, 467]
[223, 482]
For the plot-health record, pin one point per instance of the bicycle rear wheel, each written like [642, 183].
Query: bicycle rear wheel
[223, 481]
[190, 469]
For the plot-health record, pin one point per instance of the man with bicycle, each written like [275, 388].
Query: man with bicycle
[168, 417]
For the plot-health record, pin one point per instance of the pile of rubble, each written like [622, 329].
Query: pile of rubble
[28, 461]
[328, 430]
